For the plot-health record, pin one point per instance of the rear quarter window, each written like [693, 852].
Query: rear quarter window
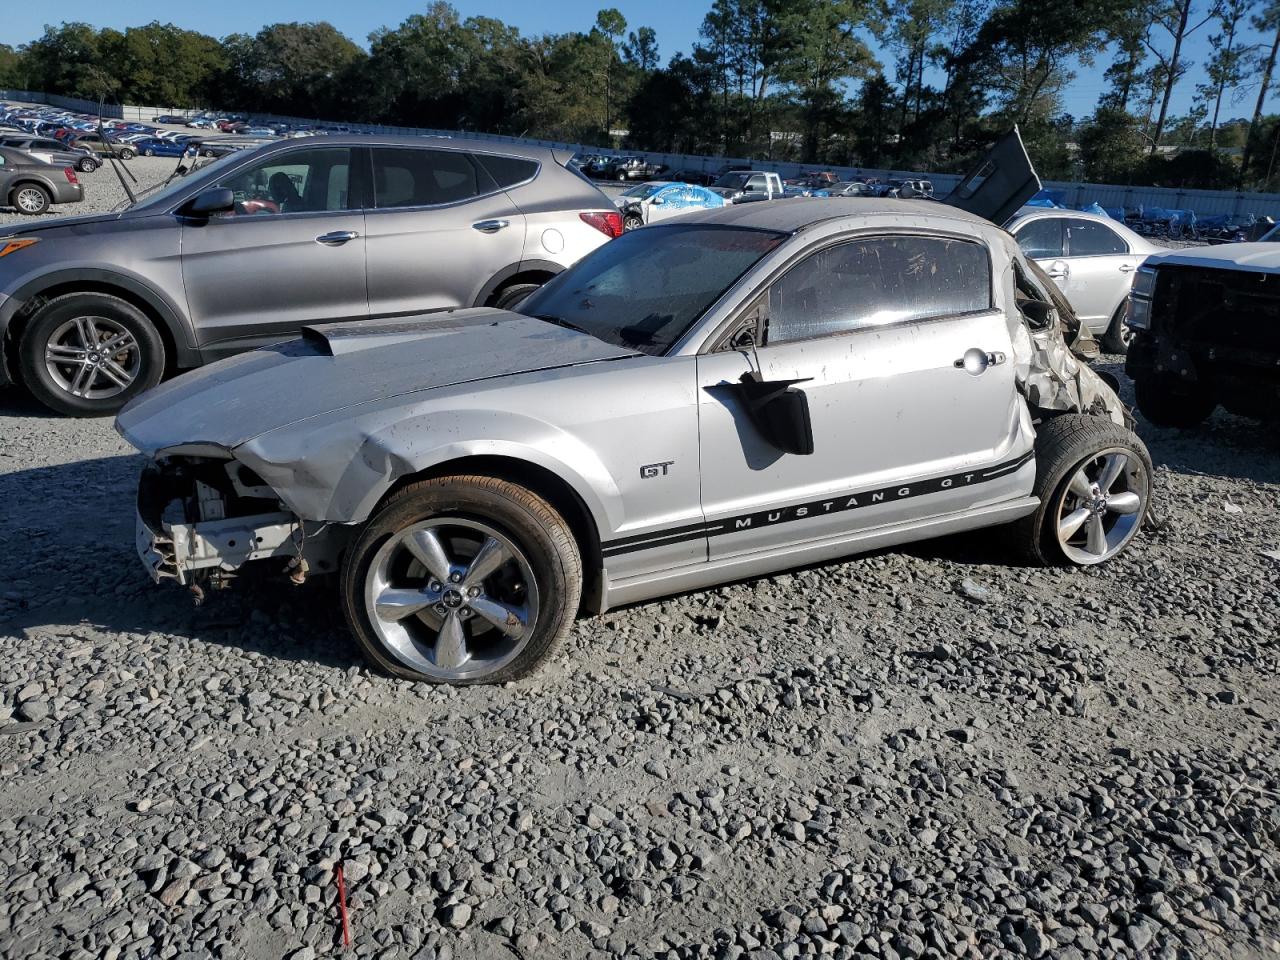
[507, 171]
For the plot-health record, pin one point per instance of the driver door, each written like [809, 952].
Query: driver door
[291, 253]
[870, 330]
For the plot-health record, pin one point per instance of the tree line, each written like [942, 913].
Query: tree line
[775, 79]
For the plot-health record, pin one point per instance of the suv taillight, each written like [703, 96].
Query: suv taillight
[70, 175]
[609, 223]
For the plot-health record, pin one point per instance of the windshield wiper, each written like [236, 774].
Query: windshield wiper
[561, 322]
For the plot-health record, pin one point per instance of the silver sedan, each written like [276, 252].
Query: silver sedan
[1092, 258]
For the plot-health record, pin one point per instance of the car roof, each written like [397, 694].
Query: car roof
[791, 215]
[528, 151]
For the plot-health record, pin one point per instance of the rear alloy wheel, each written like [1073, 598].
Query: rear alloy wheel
[148, 152]
[621, 176]
[462, 580]
[1118, 335]
[86, 165]
[88, 354]
[30, 199]
[1170, 403]
[1093, 480]
[127, 154]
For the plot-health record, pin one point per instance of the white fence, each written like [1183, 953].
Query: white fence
[1203, 202]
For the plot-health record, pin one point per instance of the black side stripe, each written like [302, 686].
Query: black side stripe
[813, 508]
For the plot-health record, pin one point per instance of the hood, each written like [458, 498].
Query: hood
[56, 224]
[1254, 257]
[338, 365]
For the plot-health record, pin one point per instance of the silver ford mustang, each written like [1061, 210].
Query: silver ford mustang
[742, 391]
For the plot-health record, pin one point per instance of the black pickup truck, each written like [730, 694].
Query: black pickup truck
[1206, 326]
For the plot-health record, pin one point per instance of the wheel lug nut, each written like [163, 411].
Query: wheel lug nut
[433, 585]
[455, 577]
[474, 592]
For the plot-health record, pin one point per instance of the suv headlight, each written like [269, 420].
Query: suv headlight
[1139, 317]
[1144, 284]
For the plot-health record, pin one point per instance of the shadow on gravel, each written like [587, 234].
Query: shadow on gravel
[16, 402]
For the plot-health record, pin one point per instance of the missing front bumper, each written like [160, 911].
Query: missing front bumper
[178, 551]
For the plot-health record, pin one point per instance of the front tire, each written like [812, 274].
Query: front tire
[1118, 335]
[462, 580]
[148, 152]
[508, 298]
[127, 154]
[1169, 404]
[88, 354]
[632, 222]
[1093, 481]
[30, 199]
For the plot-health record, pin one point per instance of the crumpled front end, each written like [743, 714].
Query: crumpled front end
[201, 516]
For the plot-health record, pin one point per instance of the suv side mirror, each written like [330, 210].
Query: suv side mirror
[211, 201]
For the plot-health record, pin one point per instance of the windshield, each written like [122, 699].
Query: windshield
[732, 180]
[645, 289]
[644, 190]
[1271, 236]
[161, 193]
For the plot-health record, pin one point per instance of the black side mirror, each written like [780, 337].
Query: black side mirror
[780, 412]
[211, 201]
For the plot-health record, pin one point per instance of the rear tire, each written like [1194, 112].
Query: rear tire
[1118, 335]
[30, 199]
[86, 165]
[72, 377]
[1169, 404]
[148, 152]
[419, 600]
[127, 154]
[1093, 481]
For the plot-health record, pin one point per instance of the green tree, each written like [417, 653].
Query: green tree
[610, 24]
[1111, 146]
[1269, 21]
[641, 50]
[1227, 63]
[1178, 19]
[824, 51]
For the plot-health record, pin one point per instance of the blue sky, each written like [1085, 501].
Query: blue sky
[676, 23]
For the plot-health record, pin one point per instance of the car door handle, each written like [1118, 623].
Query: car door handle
[975, 361]
[337, 238]
[1127, 268]
[491, 226]
[1059, 270]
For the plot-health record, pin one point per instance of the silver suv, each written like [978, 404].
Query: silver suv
[245, 250]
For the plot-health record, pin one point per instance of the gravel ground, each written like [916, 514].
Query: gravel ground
[920, 753]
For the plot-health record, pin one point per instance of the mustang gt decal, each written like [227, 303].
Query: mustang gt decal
[813, 508]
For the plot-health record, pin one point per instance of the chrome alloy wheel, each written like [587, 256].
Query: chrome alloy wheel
[1099, 510]
[29, 200]
[93, 357]
[452, 598]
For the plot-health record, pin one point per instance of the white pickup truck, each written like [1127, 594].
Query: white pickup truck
[741, 186]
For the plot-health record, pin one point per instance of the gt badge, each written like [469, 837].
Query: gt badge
[650, 470]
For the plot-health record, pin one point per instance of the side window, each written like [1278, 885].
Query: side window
[409, 177]
[507, 171]
[301, 181]
[877, 281]
[1086, 238]
[757, 182]
[1041, 239]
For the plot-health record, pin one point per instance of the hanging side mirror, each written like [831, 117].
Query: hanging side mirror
[779, 411]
